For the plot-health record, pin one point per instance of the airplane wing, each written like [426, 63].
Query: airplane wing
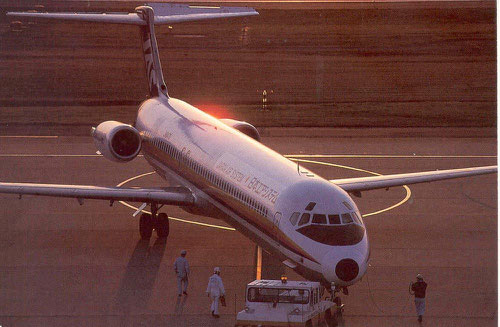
[356, 185]
[165, 13]
[171, 195]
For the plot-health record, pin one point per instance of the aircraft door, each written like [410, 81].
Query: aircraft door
[276, 226]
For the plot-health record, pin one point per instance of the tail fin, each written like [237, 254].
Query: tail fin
[150, 53]
[145, 17]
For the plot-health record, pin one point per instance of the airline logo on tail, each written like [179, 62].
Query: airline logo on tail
[153, 81]
[150, 51]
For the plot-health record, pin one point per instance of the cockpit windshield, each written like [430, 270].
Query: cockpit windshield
[322, 219]
[332, 229]
[319, 219]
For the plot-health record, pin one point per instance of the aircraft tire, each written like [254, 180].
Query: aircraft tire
[146, 226]
[163, 225]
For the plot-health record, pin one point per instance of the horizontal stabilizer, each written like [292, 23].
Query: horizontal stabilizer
[379, 182]
[164, 14]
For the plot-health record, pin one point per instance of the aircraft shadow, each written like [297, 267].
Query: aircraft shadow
[139, 279]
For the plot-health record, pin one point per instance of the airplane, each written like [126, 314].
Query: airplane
[222, 170]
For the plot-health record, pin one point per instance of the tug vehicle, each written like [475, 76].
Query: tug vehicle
[287, 303]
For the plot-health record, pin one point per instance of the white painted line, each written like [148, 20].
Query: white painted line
[29, 136]
[50, 155]
[54, 155]
[385, 156]
[173, 218]
[291, 156]
[406, 198]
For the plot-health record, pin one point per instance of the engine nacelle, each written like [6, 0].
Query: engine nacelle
[117, 141]
[244, 127]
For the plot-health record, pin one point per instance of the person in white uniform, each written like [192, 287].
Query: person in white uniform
[215, 290]
[181, 268]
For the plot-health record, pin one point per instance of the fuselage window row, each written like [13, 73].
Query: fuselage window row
[216, 180]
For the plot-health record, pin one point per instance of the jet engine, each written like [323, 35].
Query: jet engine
[244, 127]
[117, 141]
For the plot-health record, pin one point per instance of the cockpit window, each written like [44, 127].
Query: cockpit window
[347, 205]
[334, 219]
[294, 218]
[356, 218]
[310, 206]
[346, 218]
[319, 219]
[304, 219]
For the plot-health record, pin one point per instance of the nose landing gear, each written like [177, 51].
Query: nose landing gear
[158, 222]
[333, 289]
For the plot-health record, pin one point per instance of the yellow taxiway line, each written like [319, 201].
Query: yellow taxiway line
[173, 218]
[406, 198]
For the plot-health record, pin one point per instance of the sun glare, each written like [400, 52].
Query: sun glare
[216, 111]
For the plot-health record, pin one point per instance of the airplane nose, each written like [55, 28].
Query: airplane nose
[343, 266]
[347, 270]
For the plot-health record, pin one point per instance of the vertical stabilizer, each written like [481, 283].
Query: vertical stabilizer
[154, 73]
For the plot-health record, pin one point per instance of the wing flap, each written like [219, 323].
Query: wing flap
[379, 182]
[171, 195]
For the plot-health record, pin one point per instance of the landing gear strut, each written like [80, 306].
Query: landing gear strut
[334, 289]
[159, 222]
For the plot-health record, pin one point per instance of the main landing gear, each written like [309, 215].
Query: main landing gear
[156, 221]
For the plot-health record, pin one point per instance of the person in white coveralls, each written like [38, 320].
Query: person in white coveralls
[215, 290]
[181, 268]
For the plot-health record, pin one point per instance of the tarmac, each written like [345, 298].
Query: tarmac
[384, 87]
[65, 264]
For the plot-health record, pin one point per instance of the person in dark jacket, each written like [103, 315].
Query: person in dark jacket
[418, 289]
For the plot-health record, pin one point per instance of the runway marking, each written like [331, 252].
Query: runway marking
[50, 155]
[406, 198]
[291, 156]
[28, 136]
[385, 156]
[173, 218]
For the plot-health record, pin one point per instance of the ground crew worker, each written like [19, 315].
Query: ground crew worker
[181, 267]
[215, 290]
[418, 289]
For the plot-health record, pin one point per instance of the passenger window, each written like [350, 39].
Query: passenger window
[319, 219]
[294, 218]
[334, 219]
[304, 219]
[346, 218]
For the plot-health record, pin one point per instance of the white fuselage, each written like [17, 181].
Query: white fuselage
[255, 189]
